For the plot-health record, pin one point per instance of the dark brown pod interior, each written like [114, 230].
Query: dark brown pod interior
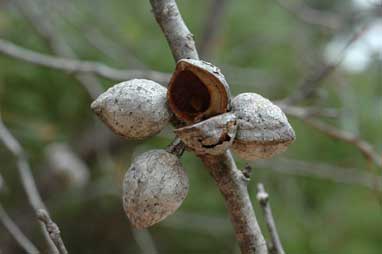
[197, 90]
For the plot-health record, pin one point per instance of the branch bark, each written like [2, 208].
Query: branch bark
[26, 177]
[223, 169]
[16, 232]
[77, 66]
[263, 198]
[53, 230]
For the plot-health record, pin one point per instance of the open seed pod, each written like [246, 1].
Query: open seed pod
[212, 136]
[134, 109]
[263, 129]
[154, 187]
[197, 90]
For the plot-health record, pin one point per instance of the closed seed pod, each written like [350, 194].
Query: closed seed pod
[134, 109]
[212, 136]
[153, 188]
[263, 129]
[197, 90]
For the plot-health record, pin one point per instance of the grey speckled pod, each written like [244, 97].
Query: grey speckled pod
[263, 129]
[211, 136]
[197, 90]
[134, 109]
[154, 187]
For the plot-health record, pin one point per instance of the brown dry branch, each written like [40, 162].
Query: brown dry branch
[26, 177]
[16, 232]
[230, 181]
[74, 66]
[263, 198]
[53, 230]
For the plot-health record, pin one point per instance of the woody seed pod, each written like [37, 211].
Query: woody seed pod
[154, 187]
[212, 136]
[263, 129]
[197, 90]
[134, 109]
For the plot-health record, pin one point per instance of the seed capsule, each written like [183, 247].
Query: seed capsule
[263, 129]
[154, 187]
[197, 90]
[134, 109]
[212, 136]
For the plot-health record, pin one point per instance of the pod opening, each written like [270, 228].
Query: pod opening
[189, 96]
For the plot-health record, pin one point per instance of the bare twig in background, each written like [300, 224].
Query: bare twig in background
[3, 186]
[16, 232]
[305, 112]
[77, 66]
[312, 16]
[311, 83]
[263, 198]
[211, 26]
[53, 230]
[322, 171]
[363, 146]
[231, 181]
[26, 176]
[144, 241]
[42, 23]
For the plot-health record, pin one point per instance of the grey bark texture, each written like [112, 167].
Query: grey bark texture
[212, 136]
[53, 230]
[263, 129]
[179, 38]
[134, 109]
[233, 186]
[222, 168]
[153, 188]
[263, 198]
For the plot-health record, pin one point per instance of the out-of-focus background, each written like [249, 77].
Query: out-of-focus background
[320, 60]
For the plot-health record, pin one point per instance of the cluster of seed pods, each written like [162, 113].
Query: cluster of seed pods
[198, 95]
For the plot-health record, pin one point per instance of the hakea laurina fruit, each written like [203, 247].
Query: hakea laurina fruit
[212, 136]
[154, 187]
[197, 91]
[134, 109]
[263, 129]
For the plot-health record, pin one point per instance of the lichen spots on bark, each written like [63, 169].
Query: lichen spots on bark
[189, 96]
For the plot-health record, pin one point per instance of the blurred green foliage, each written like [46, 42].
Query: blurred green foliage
[261, 48]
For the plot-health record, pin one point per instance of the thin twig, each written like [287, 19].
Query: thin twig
[53, 230]
[312, 16]
[312, 81]
[26, 176]
[16, 232]
[362, 145]
[77, 66]
[44, 26]
[263, 198]
[230, 181]
[322, 171]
